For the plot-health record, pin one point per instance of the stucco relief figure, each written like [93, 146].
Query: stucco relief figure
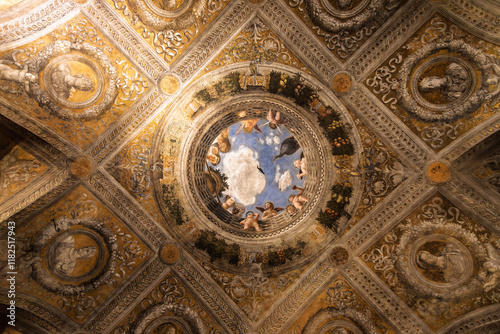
[19, 74]
[13, 169]
[452, 85]
[213, 155]
[299, 200]
[450, 261]
[67, 255]
[63, 82]
[492, 268]
[25, 258]
[167, 328]
[269, 210]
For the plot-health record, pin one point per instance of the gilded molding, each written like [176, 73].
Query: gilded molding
[32, 312]
[135, 118]
[371, 54]
[45, 16]
[482, 20]
[106, 19]
[385, 302]
[213, 41]
[206, 292]
[388, 129]
[44, 200]
[59, 183]
[127, 297]
[295, 34]
[130, 211]
[474, 202]
[465, 146]
[385, 215]
[296, 298]
[33, 127]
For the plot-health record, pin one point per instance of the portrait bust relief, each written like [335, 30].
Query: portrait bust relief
[67, 255]
[75, 254]
[73, 81]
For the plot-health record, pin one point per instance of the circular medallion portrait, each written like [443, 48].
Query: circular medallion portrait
[443, 82]
[73, 81]
[441, 261]
[76, 255]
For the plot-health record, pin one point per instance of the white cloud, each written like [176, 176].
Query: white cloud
[245, 181]
[284, 180]
[269, 140]
[277, 140]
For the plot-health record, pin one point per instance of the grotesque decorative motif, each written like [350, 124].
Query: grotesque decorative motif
[441, 83]
[168, 308]
[169, 25]
[344, 24]
[439, 255]
[60, 81]
[339, 310]
[17, 168]
[66, 260]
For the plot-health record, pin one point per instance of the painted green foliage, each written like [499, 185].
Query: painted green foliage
[336, 134]
[173, 204]
[217, 248]
[335, 208]
[281, 256]
[229, 85]
[292, 88]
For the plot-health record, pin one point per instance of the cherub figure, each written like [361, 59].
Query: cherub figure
[223, 143]
[492, 267]
[291, 210]
[275, 119]
[19, 75]
[299, 200]
[251, 220]
[248, 125]
[301, 164]
[269, 210]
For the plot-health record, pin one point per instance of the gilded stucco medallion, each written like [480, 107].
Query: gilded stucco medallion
[78, 255]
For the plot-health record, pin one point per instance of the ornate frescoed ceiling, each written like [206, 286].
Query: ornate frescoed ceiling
[250, 166]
